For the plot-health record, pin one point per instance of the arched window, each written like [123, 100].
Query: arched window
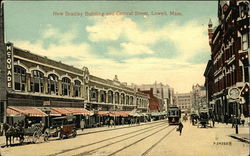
[77, 88]
[65, 86]
[103, 96]
[52, 84]
[131, 100]
[122, 98]
[117, 98]
[37, 81]
[110, 96]
[19, 78]
[93, 95]
[127, 100]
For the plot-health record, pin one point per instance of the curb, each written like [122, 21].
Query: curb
[241, 139]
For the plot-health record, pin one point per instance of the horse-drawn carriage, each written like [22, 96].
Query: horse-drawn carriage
[32, 133]
[203, 118]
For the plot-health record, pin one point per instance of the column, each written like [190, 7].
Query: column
[27, 88]
[59, 87]
[45, 87]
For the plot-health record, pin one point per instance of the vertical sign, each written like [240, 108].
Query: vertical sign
[9, 65]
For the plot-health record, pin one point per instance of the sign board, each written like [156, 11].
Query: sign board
[9, 65]
[46, 103]
[234, 93]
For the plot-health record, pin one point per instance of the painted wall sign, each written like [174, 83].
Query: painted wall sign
[9, 64]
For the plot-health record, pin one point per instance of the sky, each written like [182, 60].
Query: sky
[140, 42]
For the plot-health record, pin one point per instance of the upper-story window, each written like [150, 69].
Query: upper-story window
[65, 86]
[122, 98]
[19, 78]
[93, 95]
[37, 81]
[52, 84]
[103, 96]
[117, 98]
[245, 41]
[127, 100]
[77, 88]
[131, 100]
[110, 96]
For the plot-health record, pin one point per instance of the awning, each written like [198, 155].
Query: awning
[123, 114]
[28, 111]
[69, 111]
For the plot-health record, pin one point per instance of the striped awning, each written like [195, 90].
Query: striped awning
[26, 111]
[69, 111]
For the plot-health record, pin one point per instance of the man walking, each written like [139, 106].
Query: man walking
[180, 127]
[82, 124]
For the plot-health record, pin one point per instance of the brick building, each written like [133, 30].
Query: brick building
[227, 73]
[154, 101]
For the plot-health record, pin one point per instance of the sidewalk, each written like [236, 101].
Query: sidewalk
[94, 130]
[243, 132]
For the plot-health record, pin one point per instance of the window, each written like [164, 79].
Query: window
[65, 86]
[53, 84]
[37, 81]
[19, 78]
[93, 94]
[131, 100]
[110, 96]
[117, 98]
[103, 96]
[245, 41]
[127, 100]
[77, 88]
[122, 98]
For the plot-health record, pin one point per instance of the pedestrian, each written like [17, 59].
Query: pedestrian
[180, 127]
[82, 124]
[111, 122]
[213, 121]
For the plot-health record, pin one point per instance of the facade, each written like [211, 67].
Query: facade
[154, 101]
[36, 81]
[227, 73]
[198, 97]
[184, 101]
[163, 92]
[113, 95]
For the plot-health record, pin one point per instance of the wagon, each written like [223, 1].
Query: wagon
[31, 134]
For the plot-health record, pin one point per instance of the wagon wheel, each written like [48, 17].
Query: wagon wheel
[46, 137]
[36, 136]
[60, 135]
[21, 139]
[74, 133]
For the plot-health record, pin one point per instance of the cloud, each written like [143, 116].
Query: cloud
[189, 38]
[131, 49]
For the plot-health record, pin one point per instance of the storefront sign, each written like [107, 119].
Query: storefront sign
[46, 103]
[9, 64]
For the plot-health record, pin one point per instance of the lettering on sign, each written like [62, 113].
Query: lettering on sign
[9, 64]
[46, 103]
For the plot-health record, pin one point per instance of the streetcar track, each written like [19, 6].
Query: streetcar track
[125, 147]
[142, 132]
[154, 145]
[68, 150]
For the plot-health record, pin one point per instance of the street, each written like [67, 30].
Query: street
[153, 138]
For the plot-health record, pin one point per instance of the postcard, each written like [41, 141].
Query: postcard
[124, 78]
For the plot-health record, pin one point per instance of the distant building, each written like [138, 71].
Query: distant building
[154, 102]
[198, 97]
[184, 101]
[164, 93]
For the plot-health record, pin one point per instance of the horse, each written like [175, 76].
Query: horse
[8, 131]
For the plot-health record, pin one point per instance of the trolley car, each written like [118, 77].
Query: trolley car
[174, 115]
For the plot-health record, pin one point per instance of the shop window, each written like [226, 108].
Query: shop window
[53, 84]
[65, 86]
[19, 78]
[37, 81]
[77, 88]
